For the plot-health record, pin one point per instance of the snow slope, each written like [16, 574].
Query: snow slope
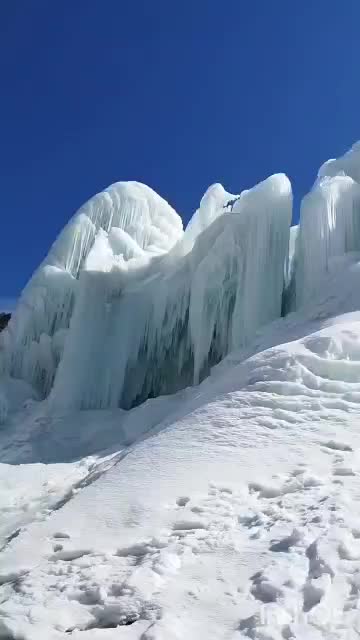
[226, 510]
[235, 516]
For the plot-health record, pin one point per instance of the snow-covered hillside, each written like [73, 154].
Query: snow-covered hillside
[227, 509]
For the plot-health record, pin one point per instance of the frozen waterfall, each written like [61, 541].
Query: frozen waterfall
[128, 306]
[329, 223]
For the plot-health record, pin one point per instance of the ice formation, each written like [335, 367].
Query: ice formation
[129, 306]
[348, 164]
[289, 293]
[168, 319]
[329, 223]
[136, 219]
[329, 227]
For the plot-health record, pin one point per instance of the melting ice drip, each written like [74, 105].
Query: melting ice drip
[128, 306]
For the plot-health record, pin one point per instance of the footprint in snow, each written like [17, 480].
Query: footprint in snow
[182, 501]
[344, 471]
[286, 543]
[70, 554]
[337, 445]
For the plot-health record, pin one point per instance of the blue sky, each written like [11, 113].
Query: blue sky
[174, 94]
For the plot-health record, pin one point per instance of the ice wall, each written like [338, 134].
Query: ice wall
[136, 220]
[347, 164]
[158, 326]
[329, 223]
[289, 292]
[128, 306]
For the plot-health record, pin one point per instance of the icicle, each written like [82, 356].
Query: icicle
[329, 227]
[137, 219]
[127, 306]
[154, 325]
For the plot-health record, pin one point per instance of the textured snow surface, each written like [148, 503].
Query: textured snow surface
[235, 514]
[227, 510]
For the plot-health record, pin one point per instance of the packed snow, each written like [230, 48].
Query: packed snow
[228, 507]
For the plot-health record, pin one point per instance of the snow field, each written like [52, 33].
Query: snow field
[237, 519]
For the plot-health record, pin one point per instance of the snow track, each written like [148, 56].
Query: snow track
[238, 519]
[268, 557]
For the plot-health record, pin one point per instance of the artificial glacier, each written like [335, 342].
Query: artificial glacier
[128, 306]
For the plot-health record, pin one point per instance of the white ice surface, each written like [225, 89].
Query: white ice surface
[329, 226]
[135, 220]
[126, 306]
[348, 164]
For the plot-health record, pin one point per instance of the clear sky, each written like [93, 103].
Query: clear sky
[177, 94]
